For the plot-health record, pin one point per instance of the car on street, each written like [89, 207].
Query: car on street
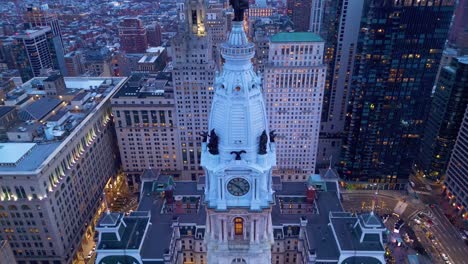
[444, 256]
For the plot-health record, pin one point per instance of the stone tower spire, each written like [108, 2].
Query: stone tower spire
[238, 156]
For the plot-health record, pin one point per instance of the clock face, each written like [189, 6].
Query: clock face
[238, 186]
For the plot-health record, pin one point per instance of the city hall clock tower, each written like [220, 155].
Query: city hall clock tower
[238, 154]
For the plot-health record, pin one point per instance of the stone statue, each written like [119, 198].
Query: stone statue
[262, 148]
[213, 143]
[239, 6]
[204, 136]
[238, 154]
[272, 136]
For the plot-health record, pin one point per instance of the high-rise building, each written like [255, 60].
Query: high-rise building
[458, 37]
[294, 85]
[41, 16]
[59, 155]
[262, 30]
[299, 11]
[339, 29]
[145, 122]
[193, 73]
[133, 35]
[153, 33]
[317, 13]
[445, 117]
[38, 49]
[74, 64]
[238, 213]
[399, 47]
[216, 24]
[455, 179]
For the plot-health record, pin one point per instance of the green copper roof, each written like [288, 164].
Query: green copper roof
[296, 37]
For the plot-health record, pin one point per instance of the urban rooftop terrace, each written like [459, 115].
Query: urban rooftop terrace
[38, 124]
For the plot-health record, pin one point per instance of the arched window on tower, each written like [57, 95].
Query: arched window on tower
[238, 226]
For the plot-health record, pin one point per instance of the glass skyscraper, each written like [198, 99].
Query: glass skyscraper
[399, 47]
[445, 117]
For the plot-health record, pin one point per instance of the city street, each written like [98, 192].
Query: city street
[448, 237]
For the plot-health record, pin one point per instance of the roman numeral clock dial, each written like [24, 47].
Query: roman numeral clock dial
[238, 186]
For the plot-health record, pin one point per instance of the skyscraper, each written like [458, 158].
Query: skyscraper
[41, 16]
[458, 37]
[445, 117]
[399, 47]
[339, 29]
[294, 85]
[455, 181]
[38, 49]
[145, 120]
[193, 72]
[299, 11]
[132, 35]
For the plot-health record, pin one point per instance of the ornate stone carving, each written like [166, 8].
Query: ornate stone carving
[213, 143]
[262, 148]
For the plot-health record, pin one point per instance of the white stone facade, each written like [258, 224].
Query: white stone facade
[294, 84]
[239, 227]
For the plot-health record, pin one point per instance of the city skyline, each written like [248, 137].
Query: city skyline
[241, 131]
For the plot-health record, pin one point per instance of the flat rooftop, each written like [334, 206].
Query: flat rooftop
[11, 153]
[45, 122]
[296, 37]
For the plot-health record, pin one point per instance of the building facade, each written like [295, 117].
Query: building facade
[145, 123]
[294, 85]
[74, 64]
[153, 33]
[299, 11]
[36, 16]
[193, 73]
[392, 84]
[339, 29]
[455, 180]
[59, 155]
[445, 117]
[132, 34]
[38, 49]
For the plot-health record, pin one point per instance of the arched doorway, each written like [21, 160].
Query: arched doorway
[238, 226]
[238, 261]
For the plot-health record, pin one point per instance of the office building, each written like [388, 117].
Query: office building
[59, 155]
[238, 213]
[217, 24]
[42, 16]
[74, 64]
[299, 12]
[445, 117]
[145, 123]
[391, 89]
[193, 73]
[455, 179]
[153, 33]
[458, 37]
[294, 85]
[38, 49]
[132, 34]
[339, 28]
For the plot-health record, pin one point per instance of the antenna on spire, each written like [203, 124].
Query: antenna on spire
[330, 165]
